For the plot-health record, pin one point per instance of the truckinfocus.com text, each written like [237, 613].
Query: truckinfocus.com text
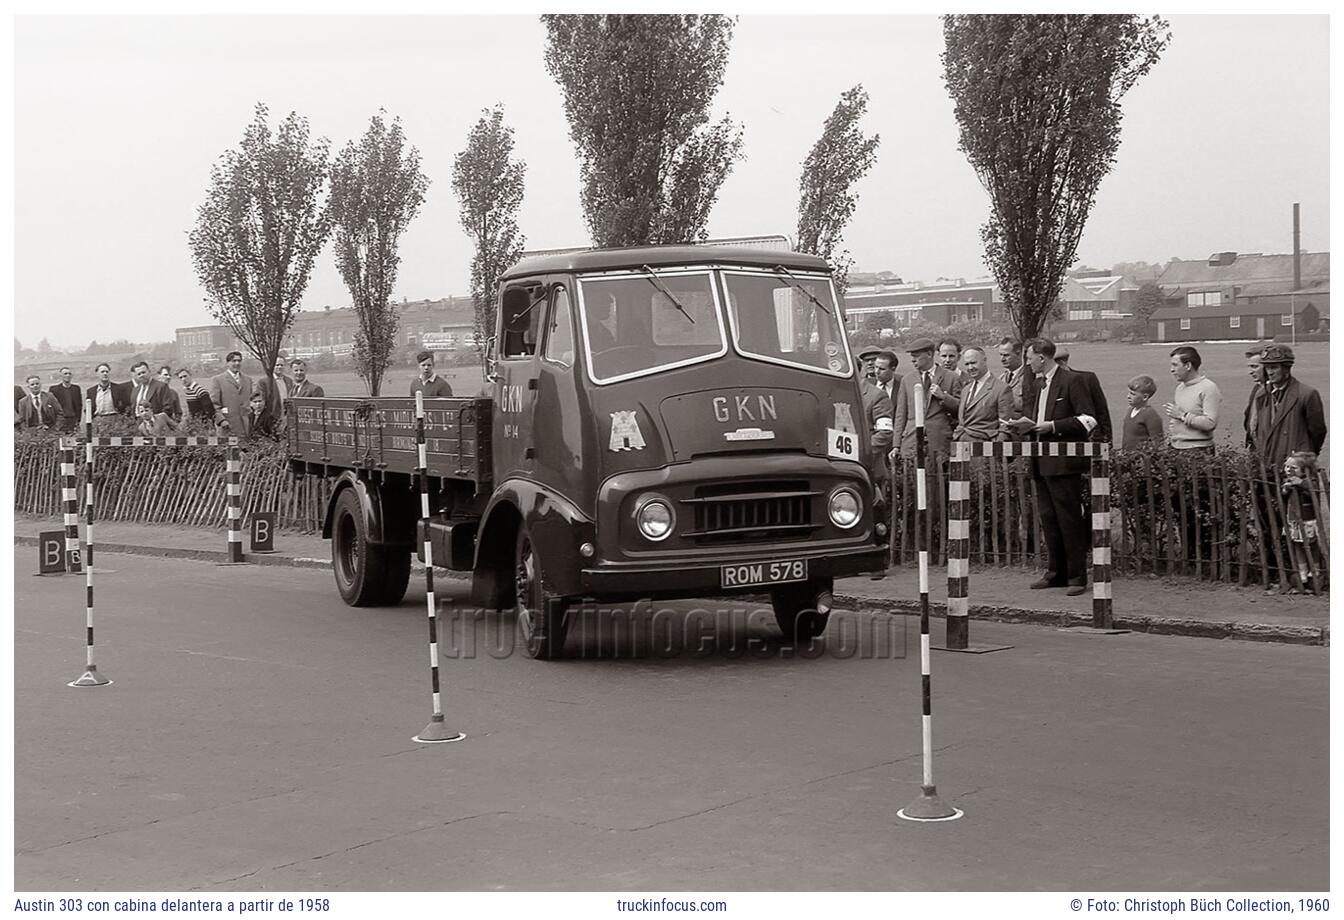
[643, 631]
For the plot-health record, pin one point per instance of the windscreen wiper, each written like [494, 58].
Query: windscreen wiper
[806, 293]
[653, 279]
[521, 313]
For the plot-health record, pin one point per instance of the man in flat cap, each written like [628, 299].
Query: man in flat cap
[1256, 371]
[942, 397]
[1289, 415]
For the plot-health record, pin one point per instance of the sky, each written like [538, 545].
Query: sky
[118, 120]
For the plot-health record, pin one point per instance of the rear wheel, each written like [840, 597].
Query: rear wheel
[543, 616]
[366, 575]
[796, 609]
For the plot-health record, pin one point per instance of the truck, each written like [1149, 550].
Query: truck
[661, 422]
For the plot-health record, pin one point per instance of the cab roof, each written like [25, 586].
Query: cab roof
[600, 260]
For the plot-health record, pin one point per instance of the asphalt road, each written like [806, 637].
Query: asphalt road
[257, 737]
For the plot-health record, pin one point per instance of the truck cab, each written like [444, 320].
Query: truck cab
[673, 422]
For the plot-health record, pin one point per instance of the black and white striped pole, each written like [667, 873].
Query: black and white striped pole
[233, 501]
[90, 677]
[436, 732]
[70, 505]
[928, 807]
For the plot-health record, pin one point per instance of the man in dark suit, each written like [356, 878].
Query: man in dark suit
[1059, 409]
[942, 398]
[70, 398]
[109, 399]
[38, 409]
[302, 385]
[1095, 393]
[156, 405]
[986, 401]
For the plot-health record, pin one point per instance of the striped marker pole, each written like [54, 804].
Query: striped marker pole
[958, 546]
[90, 677]
[70, 505]
[233, 499]
[436, 732]
[928, 807]
[1101, 538]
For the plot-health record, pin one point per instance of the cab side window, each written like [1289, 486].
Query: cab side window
[560, 329]
[522, 307]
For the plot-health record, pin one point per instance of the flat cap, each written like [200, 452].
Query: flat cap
[920, 344]
[867, 350]
[1061, 353]
[1277, 354]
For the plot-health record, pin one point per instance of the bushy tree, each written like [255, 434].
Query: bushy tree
[489, 187]
[259, 231]
[839, 158]
[376, 191]
[637, 92]
[1038, 106]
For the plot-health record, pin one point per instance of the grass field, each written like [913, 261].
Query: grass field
[1113, 363]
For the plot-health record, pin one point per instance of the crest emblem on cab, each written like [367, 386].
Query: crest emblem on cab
[625, 433]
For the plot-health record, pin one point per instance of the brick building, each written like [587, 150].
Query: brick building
[1233, 295]
[445, 325]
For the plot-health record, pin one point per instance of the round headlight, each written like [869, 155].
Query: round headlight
[654, 519]
[844, 508]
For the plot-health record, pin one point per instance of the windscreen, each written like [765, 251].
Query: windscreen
[641, 323]
[787, 319]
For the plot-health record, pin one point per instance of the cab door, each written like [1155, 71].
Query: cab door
[522, 305]
[559, 419]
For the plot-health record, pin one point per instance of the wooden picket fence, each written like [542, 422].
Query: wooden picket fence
[170, 485]
[1218, 518]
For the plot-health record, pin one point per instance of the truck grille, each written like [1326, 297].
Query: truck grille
[751, 512]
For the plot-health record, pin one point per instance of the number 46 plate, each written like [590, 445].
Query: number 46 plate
[843, 444]
[763, 573]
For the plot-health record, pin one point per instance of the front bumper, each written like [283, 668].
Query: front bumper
[674, 578]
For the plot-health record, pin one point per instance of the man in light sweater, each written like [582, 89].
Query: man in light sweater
[1193, 411]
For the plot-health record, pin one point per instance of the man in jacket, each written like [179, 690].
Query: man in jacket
[1014, 370]
[302, 385]
[1102, 432]
[109, 399]
[430, 383]
[231, 394]
[942, 399]
[70, 398]
[156, 405]
[1060, 409]
[1256, 371]
[283, 385]
[985, 401]
[1289, 415]
[38, 409]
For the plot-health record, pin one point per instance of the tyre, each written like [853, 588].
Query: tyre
[366, 575]
[543, 617]
[796, 611]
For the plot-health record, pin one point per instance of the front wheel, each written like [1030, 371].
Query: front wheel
[543, 616]
[796, 610]
[367, 575]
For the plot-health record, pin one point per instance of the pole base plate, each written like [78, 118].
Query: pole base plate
[972, 648]
[929, 807]
[90, 678]
[437, 733]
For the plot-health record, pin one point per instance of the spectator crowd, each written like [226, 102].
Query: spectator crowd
[231, 401]
[1036, 395]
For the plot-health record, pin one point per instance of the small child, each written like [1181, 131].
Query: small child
[1143, 423]
[1299, 470]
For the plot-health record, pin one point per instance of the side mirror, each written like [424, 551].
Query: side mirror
[490, 361]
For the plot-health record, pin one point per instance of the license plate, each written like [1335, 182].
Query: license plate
[763, 573]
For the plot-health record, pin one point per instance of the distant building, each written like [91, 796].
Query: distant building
[1242, 296]
[941, 303]
[1094, 301]
[443, 325]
